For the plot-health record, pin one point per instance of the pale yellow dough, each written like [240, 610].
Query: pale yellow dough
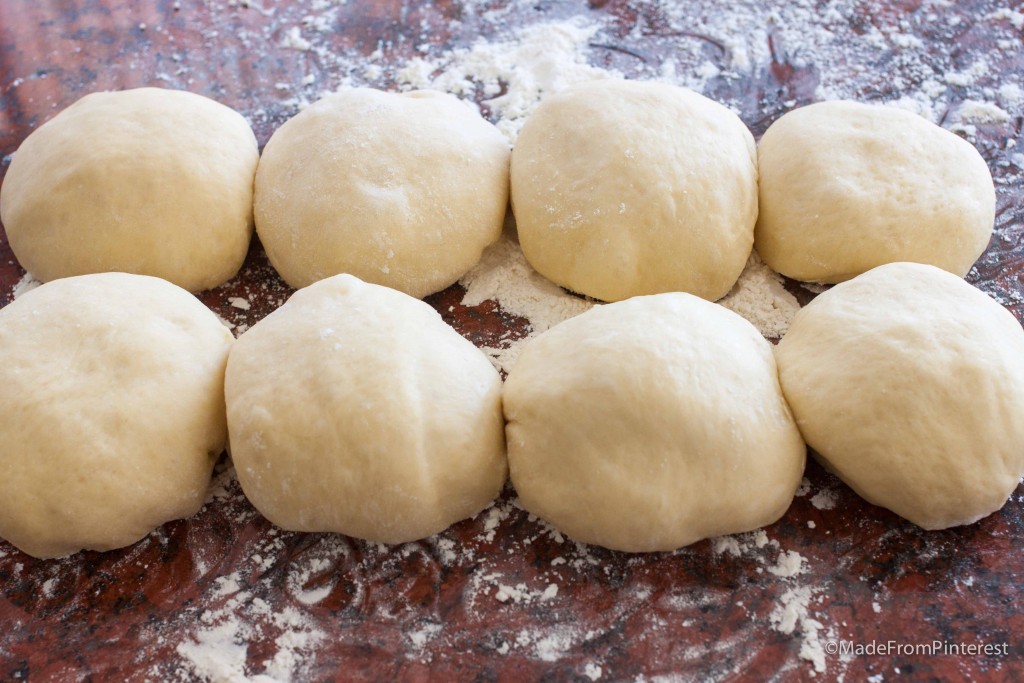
[354, 408]
[847, 186]
[909, 383]
[112, 411]
[622, 188]
[650, 424]
[148, 181]
[403, 190]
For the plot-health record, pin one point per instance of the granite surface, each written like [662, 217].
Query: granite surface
[224, 595]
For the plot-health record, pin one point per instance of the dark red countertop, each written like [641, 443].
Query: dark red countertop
[502, 597]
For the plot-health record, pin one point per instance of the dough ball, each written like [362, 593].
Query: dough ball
[355, 409]
[909, 383]
[621, 188]
[112, 411]
[149, 181]
[650, 424]
[846, 187]
[404, 190]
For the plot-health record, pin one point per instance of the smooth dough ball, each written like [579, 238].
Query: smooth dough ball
[909, 383]
[622, 188]
[404, 190]
[112, 411]
[149, 181]
[650, 424]
[846, 187]
[355, 409]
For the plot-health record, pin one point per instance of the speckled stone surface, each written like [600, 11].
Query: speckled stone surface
[476, 602]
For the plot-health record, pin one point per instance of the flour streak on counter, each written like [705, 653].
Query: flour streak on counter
[331, 565]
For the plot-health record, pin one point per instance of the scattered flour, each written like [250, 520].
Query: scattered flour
[512, 75]
[293, 40]
[26, 284]
[792, 614]
[826, 499]
[218, 653]
[726, 544]
[552, 646]
[1011, 94]
[218, 649]
[420, 637]
[1015, 17]
[789, 564]
[760, 297]
[240, 303]
[230, 616]
[493, 517]
[972, 111]
[521, 593]
[504, 276]
[738, 545]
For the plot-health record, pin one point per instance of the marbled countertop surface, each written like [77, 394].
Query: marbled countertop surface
[225, 596]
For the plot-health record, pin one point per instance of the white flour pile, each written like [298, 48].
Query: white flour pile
[504, 276]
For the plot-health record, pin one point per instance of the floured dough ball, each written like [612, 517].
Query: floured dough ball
[621, 188]
[846, 187]
[112, 412]
[355, 409]
[650, 424]
[149, 181]
[404, 190]
[909, 383]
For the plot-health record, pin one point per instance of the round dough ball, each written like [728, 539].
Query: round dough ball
[621, 188]
[909, 383]
[149, 181]
[355, 409]
[112, 412]
[846, 187]
[404, 190]
[650, 424]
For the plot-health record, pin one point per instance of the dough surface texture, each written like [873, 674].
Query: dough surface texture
[148, 181]
[355, 409]
[624, 188]
[112, 413]
[909, 383]
[847, 186]
[650, 424]
[404, 190]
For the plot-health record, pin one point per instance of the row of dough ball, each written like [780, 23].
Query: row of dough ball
[626, 188]
[641, 425]
[619, 188]
[660, 420]
[405, 190]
